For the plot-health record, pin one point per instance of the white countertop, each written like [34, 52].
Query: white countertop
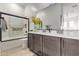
[67, 35]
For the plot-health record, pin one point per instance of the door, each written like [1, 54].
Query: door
[51, 46]
[37, 44]
[70, 47]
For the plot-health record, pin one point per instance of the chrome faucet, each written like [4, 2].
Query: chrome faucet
[48, 27]
[59, 31]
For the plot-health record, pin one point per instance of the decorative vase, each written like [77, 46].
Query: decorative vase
[35, 27]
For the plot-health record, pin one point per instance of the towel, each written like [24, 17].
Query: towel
[4, 24]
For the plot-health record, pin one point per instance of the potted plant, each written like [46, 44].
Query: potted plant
[37, 23]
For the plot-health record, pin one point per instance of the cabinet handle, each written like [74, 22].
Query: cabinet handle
[63, 43]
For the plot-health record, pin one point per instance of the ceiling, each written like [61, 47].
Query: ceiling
[36, 5]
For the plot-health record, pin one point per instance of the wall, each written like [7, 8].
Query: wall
[51, 15]
[30, 11]
[16, 10]
[12, 8]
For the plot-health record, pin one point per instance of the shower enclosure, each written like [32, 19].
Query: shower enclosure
[13, 27]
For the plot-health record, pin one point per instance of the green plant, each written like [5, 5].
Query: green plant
[37, 21]
[34, 20]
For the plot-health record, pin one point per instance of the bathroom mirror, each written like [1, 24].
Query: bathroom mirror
[51, 16]
[71, 16]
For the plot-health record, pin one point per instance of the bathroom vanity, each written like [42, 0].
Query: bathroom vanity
[51, 44]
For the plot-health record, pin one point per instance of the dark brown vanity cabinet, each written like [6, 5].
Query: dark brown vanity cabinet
[37, 42]
[51, 46]
[70, 47]
[44, 45]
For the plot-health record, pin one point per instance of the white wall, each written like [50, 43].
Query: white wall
[30, 11]
[12, 8]
[51, 15]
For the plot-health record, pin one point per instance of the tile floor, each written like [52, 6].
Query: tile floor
[17, 52]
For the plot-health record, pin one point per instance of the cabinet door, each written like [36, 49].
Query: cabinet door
[30, 41]
[70, 47]
[37, 44]
[51, 46]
